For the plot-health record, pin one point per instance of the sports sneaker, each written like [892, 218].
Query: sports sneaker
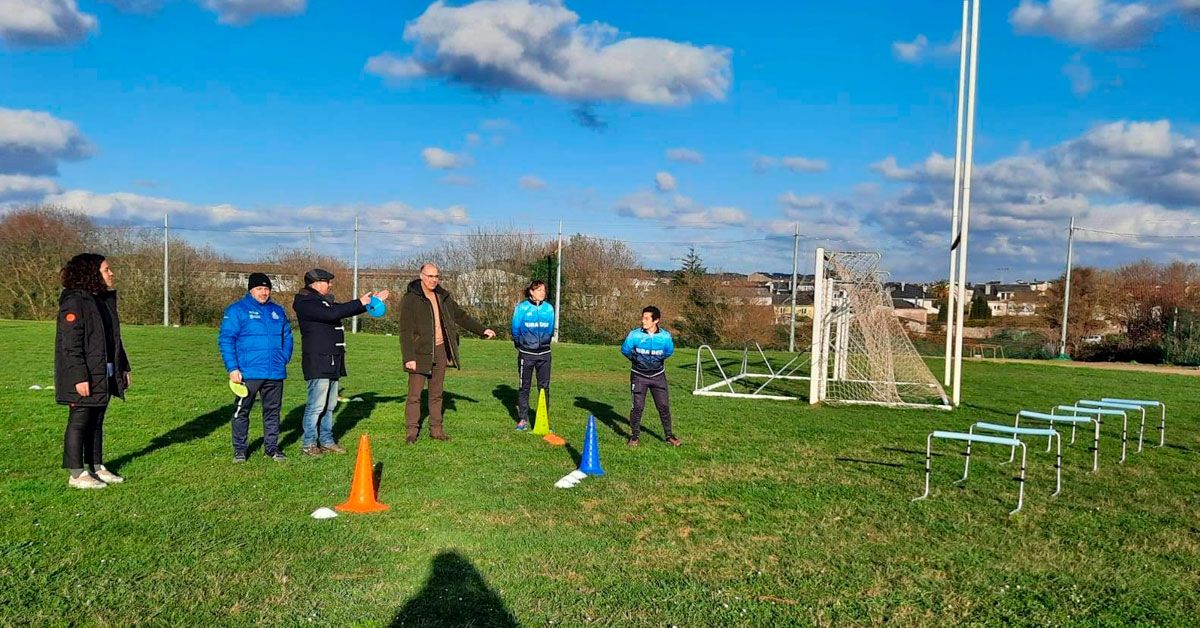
[108, 477]
[333, 448]
[633, 442]
[312, 450]
[239, 458]
[85, 481]
[277, 456]
[674, 441]
[523, 426]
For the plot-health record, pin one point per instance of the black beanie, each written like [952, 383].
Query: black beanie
[258, 279]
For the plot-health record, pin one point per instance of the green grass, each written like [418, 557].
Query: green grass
[773, 513]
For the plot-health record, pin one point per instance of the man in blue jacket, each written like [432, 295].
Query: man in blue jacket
[532, 329]
[256, 345]
[648, 347]
[323, 354]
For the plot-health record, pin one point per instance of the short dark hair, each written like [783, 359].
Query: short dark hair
[82, 272]
[655, 313]
[533, 285]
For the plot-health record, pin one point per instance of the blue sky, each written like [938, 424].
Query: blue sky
[705, 123]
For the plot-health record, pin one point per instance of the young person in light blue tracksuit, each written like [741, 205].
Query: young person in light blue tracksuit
[532, 329]
[648, 347]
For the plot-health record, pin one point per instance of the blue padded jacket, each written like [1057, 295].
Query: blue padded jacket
[533, 327]
[256, 339]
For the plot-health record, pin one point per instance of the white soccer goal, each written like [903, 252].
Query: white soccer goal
[725, 386]
[860, 352]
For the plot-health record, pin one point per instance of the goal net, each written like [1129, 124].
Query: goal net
[860, 352]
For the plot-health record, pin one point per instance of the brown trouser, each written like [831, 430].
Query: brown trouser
[416, 383]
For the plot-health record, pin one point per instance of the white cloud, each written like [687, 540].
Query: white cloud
[665, 182]
[441, 159]
[1102, 24]
[793, 201]
[23, 188]
[764, 163]
[35, 23]
[34, 142]
[920, 50]
[530, 182]
[685, 155]
[677, 210]
[1080, 76]
[540, 47]
[242, 12]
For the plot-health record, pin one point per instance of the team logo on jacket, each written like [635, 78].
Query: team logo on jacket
[70, 317]
[275, 315]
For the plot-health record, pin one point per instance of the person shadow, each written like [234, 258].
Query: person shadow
[507, 396]
[346, 417]
[195, 429]
[605, 414]
[455, 594]
[449, 404]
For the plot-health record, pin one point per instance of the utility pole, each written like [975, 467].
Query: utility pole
[166, 273]
[558, 285]
[795, 270]
[1062, 342]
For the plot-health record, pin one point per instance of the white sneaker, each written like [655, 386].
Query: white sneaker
[108, 477]
[85, 481]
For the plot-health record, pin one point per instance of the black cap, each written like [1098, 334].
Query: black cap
[258, 279]
[317, 274]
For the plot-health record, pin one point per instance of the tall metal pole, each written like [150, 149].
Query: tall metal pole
[966, 204]
[558, 284]
[1062, 342]
[795, 270]
[817, 368]
[354, 321]
[310, 248]
[166, 273]
[951, 310]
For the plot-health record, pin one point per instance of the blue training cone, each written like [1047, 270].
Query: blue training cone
[590, 463]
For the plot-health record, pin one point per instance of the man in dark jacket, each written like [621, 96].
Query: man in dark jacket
[429, 323]
[323, 354]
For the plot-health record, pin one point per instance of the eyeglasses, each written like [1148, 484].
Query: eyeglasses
[431, 276]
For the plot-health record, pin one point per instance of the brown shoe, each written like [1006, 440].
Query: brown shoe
[674, 442]
[437, 434]
[333, 449]
[313, 451]
[633, 442]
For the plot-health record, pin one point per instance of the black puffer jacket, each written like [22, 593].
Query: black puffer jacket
[416, 326]
[323, 333]
[81, 349]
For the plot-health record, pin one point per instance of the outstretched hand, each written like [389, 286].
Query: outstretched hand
[489, 334]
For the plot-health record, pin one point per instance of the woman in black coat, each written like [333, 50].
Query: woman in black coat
[90, 366]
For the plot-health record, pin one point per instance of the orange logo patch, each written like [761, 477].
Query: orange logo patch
[70, 317]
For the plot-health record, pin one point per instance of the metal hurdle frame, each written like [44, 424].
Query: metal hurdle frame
[974, 438]
[1147, 403]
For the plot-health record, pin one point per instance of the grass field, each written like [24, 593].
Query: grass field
[772, 513]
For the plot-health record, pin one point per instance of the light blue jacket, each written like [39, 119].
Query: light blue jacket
[648, 351]
[256, 339]
[533, 327]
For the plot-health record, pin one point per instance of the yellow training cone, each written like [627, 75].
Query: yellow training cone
[541, 421]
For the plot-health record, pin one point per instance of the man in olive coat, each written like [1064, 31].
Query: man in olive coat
[429, 324]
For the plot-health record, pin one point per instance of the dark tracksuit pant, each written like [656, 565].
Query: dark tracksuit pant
[657, 385]
[527, 365]
[436, 380]
[271, 391]
[83, 442]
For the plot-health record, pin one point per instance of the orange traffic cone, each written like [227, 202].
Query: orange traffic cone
[362, 489]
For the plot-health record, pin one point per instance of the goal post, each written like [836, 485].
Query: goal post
[860, 351]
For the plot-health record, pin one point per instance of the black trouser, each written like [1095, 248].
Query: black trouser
[83, 442]
[657, 385]
[271, 391]
[527, 365]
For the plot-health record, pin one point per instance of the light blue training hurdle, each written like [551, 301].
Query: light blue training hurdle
[1147, 403]
[1072, 420]
[974, 438]
[1116, 405]
[1014, 432]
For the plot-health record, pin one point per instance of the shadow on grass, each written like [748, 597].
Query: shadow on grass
[605, 414]
[455, 594]
[197, 428]
[348, 415]
[507, 396]
[895, 465]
